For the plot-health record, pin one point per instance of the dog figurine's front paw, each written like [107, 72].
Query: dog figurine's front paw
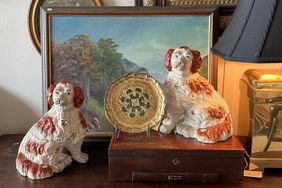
[166, 126]
[165, 129]
[62, 164]
[81, 158]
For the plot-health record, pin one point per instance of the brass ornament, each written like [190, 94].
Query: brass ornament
[192, 3]
[149, 2]
[134, 103]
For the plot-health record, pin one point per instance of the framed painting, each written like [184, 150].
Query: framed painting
[93, 47]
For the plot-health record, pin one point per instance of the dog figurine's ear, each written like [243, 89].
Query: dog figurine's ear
[50, 94]
[78, 97]
[196, 62]
[167, 59]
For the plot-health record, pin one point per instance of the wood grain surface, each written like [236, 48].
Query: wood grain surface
[95, 172]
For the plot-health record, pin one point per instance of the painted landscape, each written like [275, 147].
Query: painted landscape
[92, 52]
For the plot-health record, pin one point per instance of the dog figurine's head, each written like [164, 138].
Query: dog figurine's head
[64, 94]
[183, 61]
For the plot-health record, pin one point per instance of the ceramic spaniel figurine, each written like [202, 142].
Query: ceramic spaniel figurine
[195, 109]
[63, 127]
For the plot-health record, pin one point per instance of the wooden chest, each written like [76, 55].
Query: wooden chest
[173, 158]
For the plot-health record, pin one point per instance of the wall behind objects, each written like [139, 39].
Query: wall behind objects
[20, 68]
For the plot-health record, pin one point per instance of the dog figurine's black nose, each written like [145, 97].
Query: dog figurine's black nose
[59, 101]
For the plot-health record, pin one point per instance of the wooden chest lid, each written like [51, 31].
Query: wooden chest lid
[160, 145]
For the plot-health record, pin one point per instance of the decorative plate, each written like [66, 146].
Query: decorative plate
[134, 103]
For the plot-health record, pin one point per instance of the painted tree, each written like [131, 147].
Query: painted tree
[90, 65]
[72, 59]
[107, 66]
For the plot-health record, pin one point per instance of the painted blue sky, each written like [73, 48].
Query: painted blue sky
[142, 40]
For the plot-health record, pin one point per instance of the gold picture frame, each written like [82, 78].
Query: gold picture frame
[34, 21]
[196, 3]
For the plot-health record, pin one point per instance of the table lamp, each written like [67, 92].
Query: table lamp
[248, 56]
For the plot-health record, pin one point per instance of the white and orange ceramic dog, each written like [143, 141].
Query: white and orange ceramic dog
[195, 109]
[63, 127]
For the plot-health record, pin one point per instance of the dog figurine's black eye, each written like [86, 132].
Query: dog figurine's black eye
[57, 92]
[68, 92]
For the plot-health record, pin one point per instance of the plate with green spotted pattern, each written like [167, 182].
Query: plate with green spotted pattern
[134, 103]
